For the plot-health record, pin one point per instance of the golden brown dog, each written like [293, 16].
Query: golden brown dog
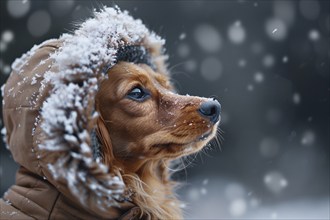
[143, 126]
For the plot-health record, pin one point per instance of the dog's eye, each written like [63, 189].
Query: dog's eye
[138, 94]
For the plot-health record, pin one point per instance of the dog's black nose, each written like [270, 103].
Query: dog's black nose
[211, 109]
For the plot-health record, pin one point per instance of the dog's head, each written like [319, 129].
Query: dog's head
[146, 119]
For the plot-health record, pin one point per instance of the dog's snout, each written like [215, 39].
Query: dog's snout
[211, 109]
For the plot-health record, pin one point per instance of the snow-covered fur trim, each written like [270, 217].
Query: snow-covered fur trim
[68, 116]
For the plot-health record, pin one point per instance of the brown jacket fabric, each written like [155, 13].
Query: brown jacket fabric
[49, 116]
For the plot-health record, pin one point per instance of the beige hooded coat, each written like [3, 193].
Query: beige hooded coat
[49, 117]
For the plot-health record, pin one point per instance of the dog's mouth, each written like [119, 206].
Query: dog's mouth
[177, 145]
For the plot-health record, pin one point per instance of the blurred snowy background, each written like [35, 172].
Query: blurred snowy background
[267, 61]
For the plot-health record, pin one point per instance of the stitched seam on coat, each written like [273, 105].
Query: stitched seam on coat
[20, 203]
[27, 192]
[51, 210]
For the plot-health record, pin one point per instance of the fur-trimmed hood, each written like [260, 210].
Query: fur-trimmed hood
[49, 116]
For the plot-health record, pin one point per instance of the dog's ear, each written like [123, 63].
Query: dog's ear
[105, 140]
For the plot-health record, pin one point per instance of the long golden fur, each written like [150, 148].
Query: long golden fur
[141, 138]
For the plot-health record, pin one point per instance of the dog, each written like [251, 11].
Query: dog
[144, 125]
[94, 123]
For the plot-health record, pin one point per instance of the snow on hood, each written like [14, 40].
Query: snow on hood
[67, 118]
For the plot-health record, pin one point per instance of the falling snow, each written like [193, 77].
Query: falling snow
[250, 87]
[18, 9]
[208, 38]
[314, 35]
[190, 65]
[258, 77]
[285, 59]
[229, 55]
[308, 138]
[183, 50]
[309, 9]
[268, 61]
[237, 207]
[285, 10]
[236, 33]
[269, 147]
[211, 68]
[182, 36]
[276, 29]
[296, 98]
[242, 63]
[39, 23]
[7, 36]
[275, 182]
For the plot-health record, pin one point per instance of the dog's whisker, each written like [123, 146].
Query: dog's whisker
[179, 72]
[184, 166]
[185, 170]
[170, 69]
[204, 151]
[200, 156]
[190, 162]
[171, 169]
[217, 141]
